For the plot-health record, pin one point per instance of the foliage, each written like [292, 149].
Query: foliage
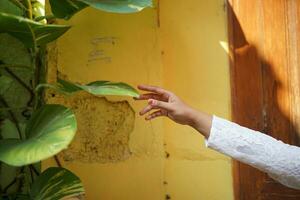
[33, 131]
[31, 33]
[95, 88]
[56, 183]
[50, 130]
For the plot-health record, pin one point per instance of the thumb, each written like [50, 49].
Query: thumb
[160, 104]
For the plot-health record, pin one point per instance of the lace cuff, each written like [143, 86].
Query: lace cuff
[281, 161]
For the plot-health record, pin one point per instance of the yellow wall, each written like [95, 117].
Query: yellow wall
[133, 58]
[195, 68]
[183, 55]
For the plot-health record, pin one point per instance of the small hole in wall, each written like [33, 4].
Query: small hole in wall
[167, 154]
[168, 196]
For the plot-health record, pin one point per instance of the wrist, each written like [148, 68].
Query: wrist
[201, 122]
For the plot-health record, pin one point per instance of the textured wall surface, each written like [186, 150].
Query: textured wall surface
[116, 153]
[104, 129]
[196, 68]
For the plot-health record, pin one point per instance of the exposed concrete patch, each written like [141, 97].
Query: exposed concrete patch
[104, 128]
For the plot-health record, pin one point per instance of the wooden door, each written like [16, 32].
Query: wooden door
[264, 39]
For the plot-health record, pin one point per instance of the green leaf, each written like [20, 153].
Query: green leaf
[96, 88]
[56, 183]
[65, 9]
[7, 6]
[50, 130]
[5, 83]
[31, 33]
[7, 176]
[9, 130]
[119, 6]
[8, 173]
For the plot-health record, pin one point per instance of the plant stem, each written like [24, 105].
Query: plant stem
[20, 108]
[12, 115]
[20, 185]
[57, 161]
[31, 174]
[35, 170]
[12, 74]
[15, 66]
[13, 181]
[19, 4]
[35, 78]
[28, 6]
[9, 185]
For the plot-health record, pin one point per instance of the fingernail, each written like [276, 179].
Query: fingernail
[151, 102]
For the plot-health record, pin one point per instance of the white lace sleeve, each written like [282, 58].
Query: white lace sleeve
[281, 161]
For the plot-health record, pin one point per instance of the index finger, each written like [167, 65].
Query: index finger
[154, 89]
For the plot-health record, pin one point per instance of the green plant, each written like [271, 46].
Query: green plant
[32, 130]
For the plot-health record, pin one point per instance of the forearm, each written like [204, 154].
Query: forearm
[281, 161]
[200, 121]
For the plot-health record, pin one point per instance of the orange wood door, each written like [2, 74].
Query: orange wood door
[264, 39]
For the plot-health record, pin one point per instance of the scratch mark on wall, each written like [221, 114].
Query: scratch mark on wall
[99, 46]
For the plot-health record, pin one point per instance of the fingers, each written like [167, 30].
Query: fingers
[146, 109]
[154, 89]
[149, 96]
[156, 114]
[160, 104]
[155, 104]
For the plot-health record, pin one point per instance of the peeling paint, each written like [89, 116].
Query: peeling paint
[104, 129]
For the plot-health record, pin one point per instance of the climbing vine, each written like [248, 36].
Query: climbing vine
[32, 130]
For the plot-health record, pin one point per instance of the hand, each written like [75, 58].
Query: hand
[165, 103]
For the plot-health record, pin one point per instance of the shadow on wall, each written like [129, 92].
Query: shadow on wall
[260, 97]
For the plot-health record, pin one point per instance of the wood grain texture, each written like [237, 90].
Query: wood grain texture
[265, 82]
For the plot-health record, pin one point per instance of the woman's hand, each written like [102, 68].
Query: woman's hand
[165, 103]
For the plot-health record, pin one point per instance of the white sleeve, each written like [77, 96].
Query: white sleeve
[281, 161]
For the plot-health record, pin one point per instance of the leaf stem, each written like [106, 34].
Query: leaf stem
[20, 108]
[13, 75]
[31, 174]
[19, 4]
[35, 170]
[57, 161]
[12, 115]
[9, 185]
[15, 66]
[28, 6]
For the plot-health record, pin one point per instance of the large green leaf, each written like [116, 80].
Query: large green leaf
[96, 88]
[17, 59]
[50, 130]
[8, 173]
[31, 33]
[100, 88]
[119, 6]
[7, 6]
[66, 8]
[5, 83]
[56, 183]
